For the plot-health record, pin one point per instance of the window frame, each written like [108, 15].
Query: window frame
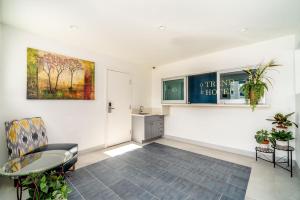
[184, 101]
[241, 101]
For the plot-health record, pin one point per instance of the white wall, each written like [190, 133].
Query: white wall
[81, 122]
[230, 127]
[298, 41]
[3, 153]
[6, 189]
[297, 79]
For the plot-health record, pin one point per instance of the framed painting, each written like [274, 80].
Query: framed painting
[54, 76]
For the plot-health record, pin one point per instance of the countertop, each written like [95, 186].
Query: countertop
[145, 115]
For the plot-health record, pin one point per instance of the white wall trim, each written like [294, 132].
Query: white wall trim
[212, 146]
[92, 149]
[296, 167]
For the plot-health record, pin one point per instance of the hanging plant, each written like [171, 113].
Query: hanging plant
[256, 84]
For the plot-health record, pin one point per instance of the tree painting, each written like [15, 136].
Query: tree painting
[54, 76]
[74, 66]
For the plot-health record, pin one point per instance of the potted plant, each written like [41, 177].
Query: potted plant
[48, 185]
[256, 84]
[262, 138]
[282, 136]
[282, 121]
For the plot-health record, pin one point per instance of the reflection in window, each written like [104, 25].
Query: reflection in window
[173, 89]
[202, 88]
[230, 84]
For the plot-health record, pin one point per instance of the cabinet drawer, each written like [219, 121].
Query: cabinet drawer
[154, 126]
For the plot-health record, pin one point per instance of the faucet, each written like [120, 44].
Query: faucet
[141, 109]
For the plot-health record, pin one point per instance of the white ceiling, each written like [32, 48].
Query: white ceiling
[128, 29]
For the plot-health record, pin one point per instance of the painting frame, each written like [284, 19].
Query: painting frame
[52, 76]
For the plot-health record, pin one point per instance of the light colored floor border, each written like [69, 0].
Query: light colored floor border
[211, 146]
[100, 147]
[92, 149]
[226, 149]
[198, 143]
[297, 170]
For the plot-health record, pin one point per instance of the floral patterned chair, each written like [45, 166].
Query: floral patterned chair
[27, 136]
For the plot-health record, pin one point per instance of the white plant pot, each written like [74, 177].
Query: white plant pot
[281, 143]
[264, 146]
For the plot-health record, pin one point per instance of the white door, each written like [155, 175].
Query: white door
[118, 108]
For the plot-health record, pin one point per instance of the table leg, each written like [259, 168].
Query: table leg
[291, 163]
[19, 189]
[256, 156]
[274, 158]
[288, 157]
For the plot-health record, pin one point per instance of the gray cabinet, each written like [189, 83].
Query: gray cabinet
[145, 128]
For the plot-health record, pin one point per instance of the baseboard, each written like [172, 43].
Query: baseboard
[89, 150]
[211, 146]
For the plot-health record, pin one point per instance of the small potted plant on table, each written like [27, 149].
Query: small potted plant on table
[281, 134]
[262, 137]
[281, 137]
[47, 186]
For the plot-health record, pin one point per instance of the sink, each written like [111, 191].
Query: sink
[143, 113]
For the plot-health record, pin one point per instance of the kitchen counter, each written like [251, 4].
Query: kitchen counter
[145, 114]
[146, 127]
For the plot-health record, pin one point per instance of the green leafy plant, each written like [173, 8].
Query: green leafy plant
[46, 186]
[255, 86]
[282, 121]
[282, 135]
[262, 136]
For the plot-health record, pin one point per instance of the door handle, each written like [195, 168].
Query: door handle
[110, 108]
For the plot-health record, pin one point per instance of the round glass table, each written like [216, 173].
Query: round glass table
[34, 163]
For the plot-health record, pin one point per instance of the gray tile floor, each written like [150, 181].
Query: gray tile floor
[157, 171]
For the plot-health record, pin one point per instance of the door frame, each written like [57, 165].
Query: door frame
[106, 103]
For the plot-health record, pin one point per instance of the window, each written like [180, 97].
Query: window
[223, 87]
[230, 84]
[174, 90]
[202, 88]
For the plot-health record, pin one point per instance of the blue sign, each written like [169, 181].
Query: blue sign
[202, 88]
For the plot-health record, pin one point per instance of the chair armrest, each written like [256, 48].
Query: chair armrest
[73, 148]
